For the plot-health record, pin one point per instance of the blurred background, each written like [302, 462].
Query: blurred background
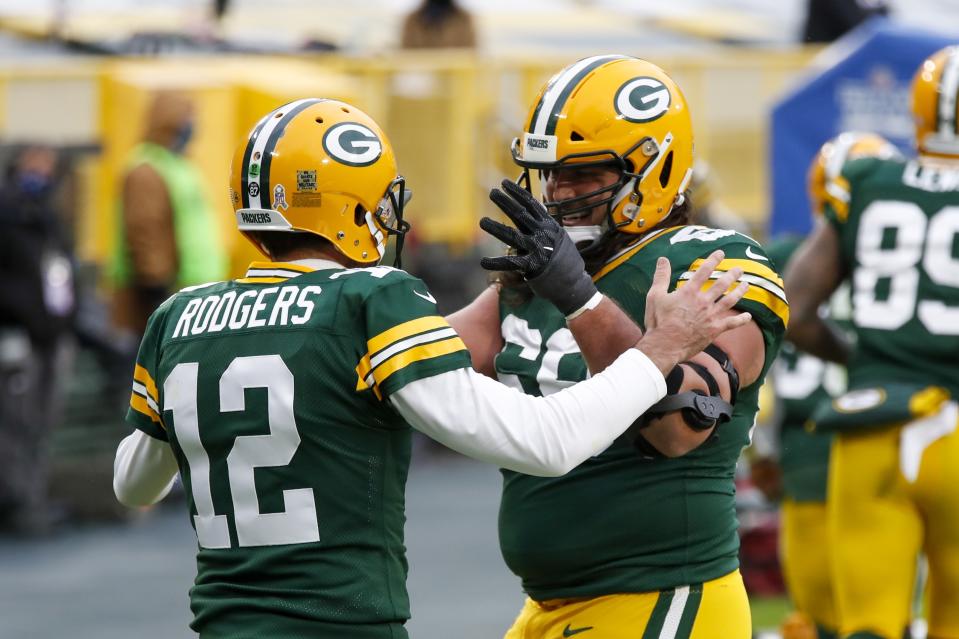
[92, 90]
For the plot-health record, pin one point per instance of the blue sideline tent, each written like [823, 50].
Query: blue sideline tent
[860, 83]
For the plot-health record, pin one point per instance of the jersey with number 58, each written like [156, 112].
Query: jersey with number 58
[898, 225]
[269, 389]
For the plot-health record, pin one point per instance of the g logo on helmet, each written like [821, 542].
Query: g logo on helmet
[353, 144]
[642, 99]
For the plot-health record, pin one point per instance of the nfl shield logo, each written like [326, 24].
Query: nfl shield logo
[279, 198]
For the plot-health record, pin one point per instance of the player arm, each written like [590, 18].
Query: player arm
[144, 470]
[543, 436]
[669, 433]
[149, 235]
[604, 333]
[478, 325]
[812, 276]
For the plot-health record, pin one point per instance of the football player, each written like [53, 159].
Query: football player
[889, 228]
[801, 382]
[284, 399]
[641, 540]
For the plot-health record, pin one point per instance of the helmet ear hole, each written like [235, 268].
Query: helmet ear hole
[667, 170]
[359, 215]
[575, 136]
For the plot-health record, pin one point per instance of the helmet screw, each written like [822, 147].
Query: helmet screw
[340, 235]
[634, 198]
[356, 242]
[364, 254]
[649, 148]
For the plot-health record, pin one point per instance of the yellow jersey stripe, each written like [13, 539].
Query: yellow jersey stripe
[142, 375]
[362, 371]
[286, 266]
[748, 266]
[139, 404]
[759, 295]
[416, 354]
[610, 266]
[404, 330]
[261, 280]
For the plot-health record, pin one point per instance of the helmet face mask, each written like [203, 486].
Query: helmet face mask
[321, 167]
[615, 111]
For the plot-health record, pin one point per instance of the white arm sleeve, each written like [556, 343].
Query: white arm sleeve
[545, 436]
[143, 471]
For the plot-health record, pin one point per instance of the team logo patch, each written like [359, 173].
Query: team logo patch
[353, 144]
[642, 99]
[254, 189]
[279, 198]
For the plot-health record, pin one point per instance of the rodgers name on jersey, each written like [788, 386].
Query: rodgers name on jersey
[898, 223]
[619, 523]
[284, 528]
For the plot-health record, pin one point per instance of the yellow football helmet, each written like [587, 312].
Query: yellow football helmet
[323, 167]
[826, 183]
[935, 103]
[613, 109]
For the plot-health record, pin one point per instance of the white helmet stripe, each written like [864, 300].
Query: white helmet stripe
[948, 93]
[558, 88]
[256, 193]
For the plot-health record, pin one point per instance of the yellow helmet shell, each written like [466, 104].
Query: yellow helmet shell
[615, 108]
[317, 166]
[935, 104]
[826, 183]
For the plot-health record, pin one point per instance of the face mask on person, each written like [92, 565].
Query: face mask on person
[182, 139]
[33, 183]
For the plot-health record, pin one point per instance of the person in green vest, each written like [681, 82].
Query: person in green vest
[167, 237]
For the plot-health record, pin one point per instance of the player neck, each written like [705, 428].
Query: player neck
[330, 255]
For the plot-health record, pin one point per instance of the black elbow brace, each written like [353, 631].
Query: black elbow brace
[699, 410]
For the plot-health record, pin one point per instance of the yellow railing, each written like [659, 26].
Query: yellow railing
[450, 115]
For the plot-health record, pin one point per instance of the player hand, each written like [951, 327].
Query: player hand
[545, 255]
[682, 323]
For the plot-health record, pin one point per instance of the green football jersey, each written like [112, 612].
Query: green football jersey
[800, 383]
[898, 225]
[619, 522]
[270, 391]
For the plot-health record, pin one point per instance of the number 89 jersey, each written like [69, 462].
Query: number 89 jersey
[269, 390]
[898, 225]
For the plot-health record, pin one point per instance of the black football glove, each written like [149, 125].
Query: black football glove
[545, 256]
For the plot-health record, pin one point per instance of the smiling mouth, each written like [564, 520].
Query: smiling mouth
[572, 219]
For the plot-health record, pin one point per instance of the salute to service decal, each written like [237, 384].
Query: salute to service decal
[353, 144]
[642, 99]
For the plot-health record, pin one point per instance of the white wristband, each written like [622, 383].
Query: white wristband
[588, 306]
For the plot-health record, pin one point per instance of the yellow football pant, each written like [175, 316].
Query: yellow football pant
[717, 609]
[878, 523]
[805, 550]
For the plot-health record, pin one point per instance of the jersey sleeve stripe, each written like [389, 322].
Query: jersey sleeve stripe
[142, 376]
[404, 331]
[416, 354]
[402, 345]
[748, 266]
[140, 404]
[762, 296]
[746, 277]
